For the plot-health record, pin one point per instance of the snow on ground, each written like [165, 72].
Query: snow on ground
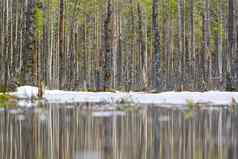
[178, 98]
[27, 92]
[107, 113]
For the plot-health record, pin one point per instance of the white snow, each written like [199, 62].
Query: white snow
[107, 113]
[178, 98]
[27, 92]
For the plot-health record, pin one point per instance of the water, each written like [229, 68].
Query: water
[100, 132]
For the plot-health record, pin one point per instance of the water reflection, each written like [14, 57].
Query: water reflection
[76, 132]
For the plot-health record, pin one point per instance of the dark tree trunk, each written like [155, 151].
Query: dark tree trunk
[61, 47]
[29, 54]
[156, 64]
[181, 53]
[208, 60]
[107, 43]
[119, 58]
[192, 43]
[231, 47]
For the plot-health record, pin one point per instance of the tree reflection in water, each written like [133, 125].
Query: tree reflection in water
[73, 132]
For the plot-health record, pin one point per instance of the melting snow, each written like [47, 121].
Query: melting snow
[57, 96]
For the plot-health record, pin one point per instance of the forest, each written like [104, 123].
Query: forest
[102, 45]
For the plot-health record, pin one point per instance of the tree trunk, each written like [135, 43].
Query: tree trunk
[107, 57]
[235, 64]
[230, 44]
[220, 44]
[142, 45]
[207, 56]
[29, 54]
[119, 56]
[181, 44]
[115, 42]
[192, 44]
[61, 47]
[5, 48]
[156, 45]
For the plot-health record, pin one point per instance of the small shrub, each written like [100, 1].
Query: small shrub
[190, 104]
[127, 105]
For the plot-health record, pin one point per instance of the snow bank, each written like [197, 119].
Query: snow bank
[178, 98]
[27, 92]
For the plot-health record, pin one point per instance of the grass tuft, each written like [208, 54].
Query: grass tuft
[190, 104]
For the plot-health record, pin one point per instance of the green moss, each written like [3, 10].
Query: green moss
[7, 101]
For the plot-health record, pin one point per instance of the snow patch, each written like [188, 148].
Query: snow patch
[107, 114]
[27, 92]
[177, 98]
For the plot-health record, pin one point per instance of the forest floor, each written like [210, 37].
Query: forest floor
[29, 94]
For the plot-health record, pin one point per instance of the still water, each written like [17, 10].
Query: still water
[102, 132]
